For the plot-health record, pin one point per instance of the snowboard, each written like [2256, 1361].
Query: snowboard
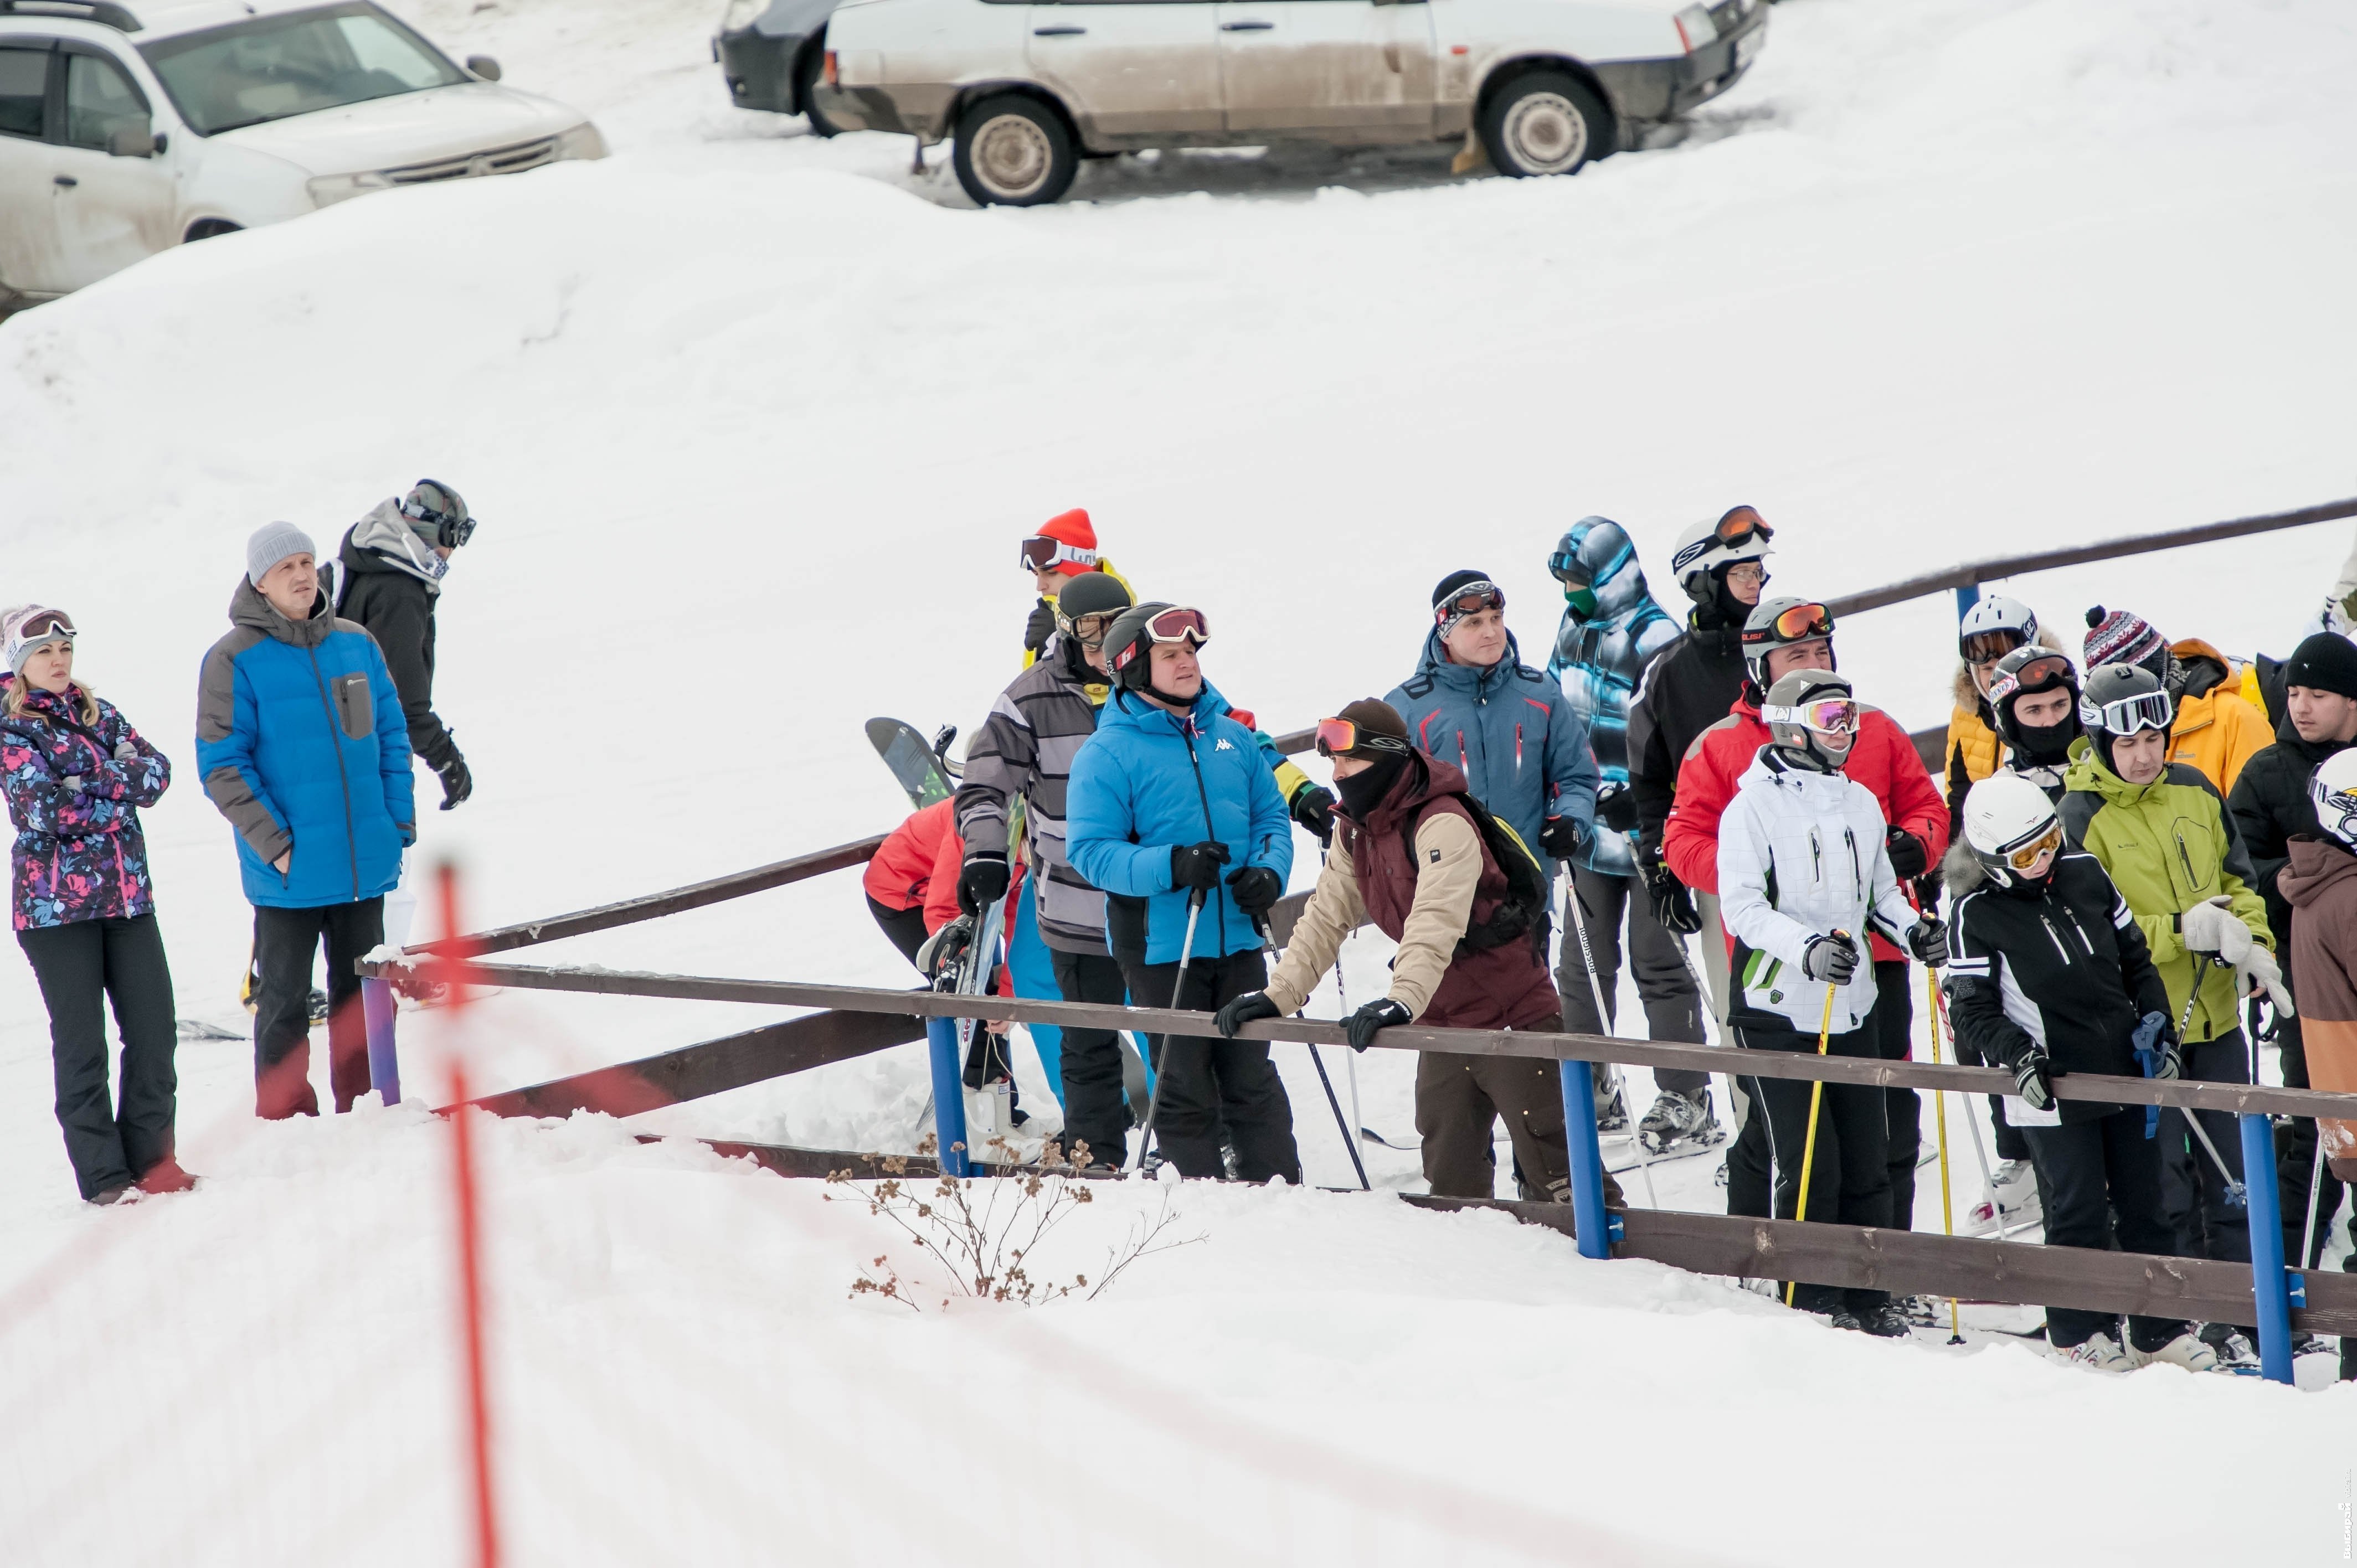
[921, 770]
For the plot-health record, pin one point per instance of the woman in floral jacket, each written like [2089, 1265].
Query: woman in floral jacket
[76, 774]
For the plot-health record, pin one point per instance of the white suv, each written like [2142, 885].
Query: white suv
[123, 132]
[1027, 88]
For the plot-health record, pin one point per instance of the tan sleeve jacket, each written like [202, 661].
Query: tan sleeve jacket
[1447, 870]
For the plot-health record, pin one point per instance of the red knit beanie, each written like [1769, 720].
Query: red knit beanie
[1072, 528]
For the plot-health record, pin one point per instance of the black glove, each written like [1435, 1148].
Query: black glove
[1243, 1010]
[1561, 837]
[1908, 857]
[1830, 960]
[1040, 627]
[1255, 888]
[1360, 1025]
[981, 881]
[1197, 865]
[1313, 808]
[1616, 808]
[2030, 1077]
[1928, 940]
[1673, 907]
[456, 782]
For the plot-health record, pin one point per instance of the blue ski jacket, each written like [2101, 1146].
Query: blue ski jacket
[303, 746]
[1149, 780]
[1509, 730]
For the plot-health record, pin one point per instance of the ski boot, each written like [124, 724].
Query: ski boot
[2186, 1350]
[1680, 1122]
[2231, 1346]
[1612, 1114]
[2100, 1352]
[1884, 1320]
[2010, 1203]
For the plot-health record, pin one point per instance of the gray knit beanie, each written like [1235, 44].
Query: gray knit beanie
[270, 543]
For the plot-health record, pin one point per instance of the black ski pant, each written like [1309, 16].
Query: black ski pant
[282, 1014]
[1664, 980]
[1849, 1182]
[1203, 1081]
[81, 967]
[2101, 1180]
[2009, 1144]
[1749, 1191]
[905, 928]
[1095, 1113]
[1892, 1026]
[2193, 1192]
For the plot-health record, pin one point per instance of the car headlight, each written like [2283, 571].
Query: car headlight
[741, 15]
[581, 142]
[331, 188]
[1695, 28]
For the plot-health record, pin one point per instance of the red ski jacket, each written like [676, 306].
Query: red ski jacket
[918, 863]
[1884, 760]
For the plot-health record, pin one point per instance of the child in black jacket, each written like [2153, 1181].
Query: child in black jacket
[2048, 973]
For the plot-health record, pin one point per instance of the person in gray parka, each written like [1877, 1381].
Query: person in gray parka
[1611, 629]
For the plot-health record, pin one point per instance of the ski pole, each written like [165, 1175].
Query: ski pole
[1350, 1141]
[1940, 1115]
[2315, 1187]
[1816, 1099]
[1162, 1049]
[1596, 990]
[1972, 1125]
[2238, 1195]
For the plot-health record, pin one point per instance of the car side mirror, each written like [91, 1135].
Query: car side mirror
[484, 65]
[134, 141]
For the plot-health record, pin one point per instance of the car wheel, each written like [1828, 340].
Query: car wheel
[211, 228]
[1545, 122]
[1013, 151]
[806, 76]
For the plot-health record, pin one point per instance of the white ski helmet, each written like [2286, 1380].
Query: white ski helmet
[1993, 627]
[2009, 824]
[1708, 547]
[2333, 789]
[1812, 710]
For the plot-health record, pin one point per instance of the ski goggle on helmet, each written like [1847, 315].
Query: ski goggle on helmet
[2126, 715]
[1826, 715]
[2039, 674]
[436, 505]
[1993, 627]
[2333, 789]
[1177, 624]
[1336, 736]
[1041, 554]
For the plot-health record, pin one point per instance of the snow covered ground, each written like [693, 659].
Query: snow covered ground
[753, 421]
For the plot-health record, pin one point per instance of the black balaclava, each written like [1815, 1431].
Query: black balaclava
[1362, 791]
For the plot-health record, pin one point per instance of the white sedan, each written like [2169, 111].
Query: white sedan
[124, 131]
[1028, 89]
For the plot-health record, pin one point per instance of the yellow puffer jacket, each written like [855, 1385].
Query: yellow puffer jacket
[1972, 750]
[2220, 729]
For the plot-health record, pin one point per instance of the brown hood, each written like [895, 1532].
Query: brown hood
[2313, 867]
[1967, 696]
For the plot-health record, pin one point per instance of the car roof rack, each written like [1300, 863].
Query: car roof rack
[105, 13]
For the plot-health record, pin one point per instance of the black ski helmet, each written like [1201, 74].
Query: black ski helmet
[2122, 699]
[1778, 623]
[2028, 671]
[1089, 594]
[1129, 644]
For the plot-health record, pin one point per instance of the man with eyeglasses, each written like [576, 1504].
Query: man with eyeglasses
[2160, 829]
[1611, 629]
[1779, 636]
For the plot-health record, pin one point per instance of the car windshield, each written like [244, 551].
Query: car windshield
[273, 67]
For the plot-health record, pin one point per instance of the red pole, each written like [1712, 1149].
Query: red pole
[471, 1260]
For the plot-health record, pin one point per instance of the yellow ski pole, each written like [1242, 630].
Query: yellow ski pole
[1816, 1099]
[1940, 1107]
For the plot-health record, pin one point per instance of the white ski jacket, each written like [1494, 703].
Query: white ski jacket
[1800, 854]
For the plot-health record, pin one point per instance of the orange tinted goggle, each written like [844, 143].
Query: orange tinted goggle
[2034, 673]
[2023, 856]
[1339, 736]
[1740, 523]
[1795, 625]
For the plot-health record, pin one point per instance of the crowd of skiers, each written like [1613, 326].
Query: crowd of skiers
[2124, 844]
[308, 715]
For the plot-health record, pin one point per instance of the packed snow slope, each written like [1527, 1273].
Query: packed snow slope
[753, 422]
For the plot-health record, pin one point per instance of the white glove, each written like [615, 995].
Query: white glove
[2212, 926]
[2258, 968]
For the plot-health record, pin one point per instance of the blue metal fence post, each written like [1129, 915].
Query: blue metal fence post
[2270, 1286]
[1966, 599]
[376, 1016]
[949, 1094]
[1586, 1162]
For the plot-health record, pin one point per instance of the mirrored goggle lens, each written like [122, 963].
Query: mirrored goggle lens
[1172, 625]
[2024, 856]
[2130, 715]
[48, 624]
[1740, 523]
[1984, 647]
[1569, 569]
[1803, 621]
[1831, 716]
[2034, 676]
[1472, 599]
[1336, 735]
[1038, 555]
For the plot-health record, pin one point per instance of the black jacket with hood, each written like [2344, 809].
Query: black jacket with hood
[2269, 808]
[388, 580]
[1688, 687]
[2060, 969]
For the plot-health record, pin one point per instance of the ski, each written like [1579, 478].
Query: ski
[921, 771]
[1372, 1136]
[1676, 1152]
[198, 1029]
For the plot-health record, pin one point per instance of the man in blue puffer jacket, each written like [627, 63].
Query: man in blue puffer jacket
[1170, 801]
[303, 746]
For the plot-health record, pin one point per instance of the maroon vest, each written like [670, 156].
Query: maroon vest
[1505, 987]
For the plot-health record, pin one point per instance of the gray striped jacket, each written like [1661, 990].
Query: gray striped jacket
[1026, 747]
